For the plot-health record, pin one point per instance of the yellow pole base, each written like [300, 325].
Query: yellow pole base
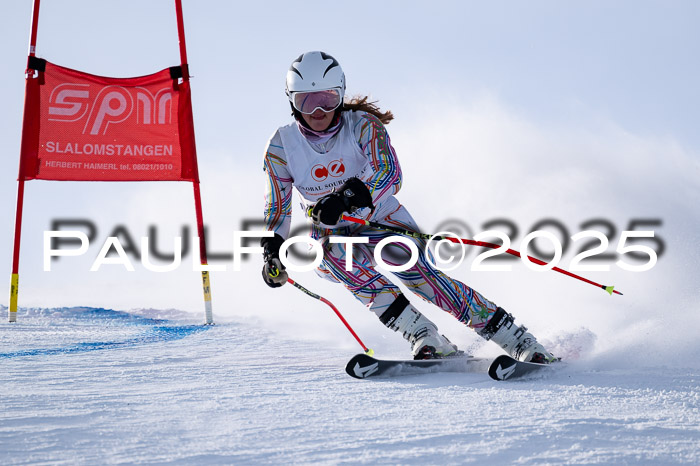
[14, 291]
[206, 286]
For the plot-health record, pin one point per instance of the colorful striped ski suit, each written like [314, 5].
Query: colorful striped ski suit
[368, 285]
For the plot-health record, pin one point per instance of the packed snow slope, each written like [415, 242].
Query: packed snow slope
[96, 386]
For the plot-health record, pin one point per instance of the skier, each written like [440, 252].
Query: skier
[338, 155]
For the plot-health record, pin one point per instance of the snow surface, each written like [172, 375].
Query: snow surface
[96, 386]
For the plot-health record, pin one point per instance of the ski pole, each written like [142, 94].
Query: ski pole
[417, 234]
[368, 351]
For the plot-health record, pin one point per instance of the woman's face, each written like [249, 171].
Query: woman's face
[319, 120]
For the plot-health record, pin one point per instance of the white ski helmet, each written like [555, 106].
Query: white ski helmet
[315, 71]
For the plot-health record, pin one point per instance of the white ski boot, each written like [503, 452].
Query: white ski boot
[516, 341]
[426, 342]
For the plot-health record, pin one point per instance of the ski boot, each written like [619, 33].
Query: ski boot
[426, 342]
[516, 341]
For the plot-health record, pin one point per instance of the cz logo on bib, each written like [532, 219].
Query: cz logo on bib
[335, 169]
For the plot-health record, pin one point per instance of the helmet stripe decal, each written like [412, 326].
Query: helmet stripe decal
[332, 65]
[293, 68]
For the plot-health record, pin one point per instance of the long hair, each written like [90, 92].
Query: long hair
[362, 103]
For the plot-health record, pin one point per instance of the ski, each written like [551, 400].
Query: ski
[362, 366]
[506, 368]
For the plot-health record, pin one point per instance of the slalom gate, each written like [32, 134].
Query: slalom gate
[82, 127]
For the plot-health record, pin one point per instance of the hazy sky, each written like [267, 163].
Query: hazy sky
[519, 109]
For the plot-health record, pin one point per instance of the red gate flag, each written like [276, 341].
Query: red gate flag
[82, 127]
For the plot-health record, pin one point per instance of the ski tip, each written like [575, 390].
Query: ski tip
[361, 365]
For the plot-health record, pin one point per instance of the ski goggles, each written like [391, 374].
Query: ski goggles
[307, 102]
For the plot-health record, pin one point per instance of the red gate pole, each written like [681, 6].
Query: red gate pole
[14, 280]
[206, 286]
[29, 74]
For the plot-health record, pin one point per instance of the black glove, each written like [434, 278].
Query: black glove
[352, 195]
[273, 271]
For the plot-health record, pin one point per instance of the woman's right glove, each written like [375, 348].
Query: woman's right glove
[273, 271]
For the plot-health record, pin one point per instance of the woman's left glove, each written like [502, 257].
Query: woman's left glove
[273, 271]
[352, 195]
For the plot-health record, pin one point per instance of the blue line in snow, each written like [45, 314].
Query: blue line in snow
[156, 330]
